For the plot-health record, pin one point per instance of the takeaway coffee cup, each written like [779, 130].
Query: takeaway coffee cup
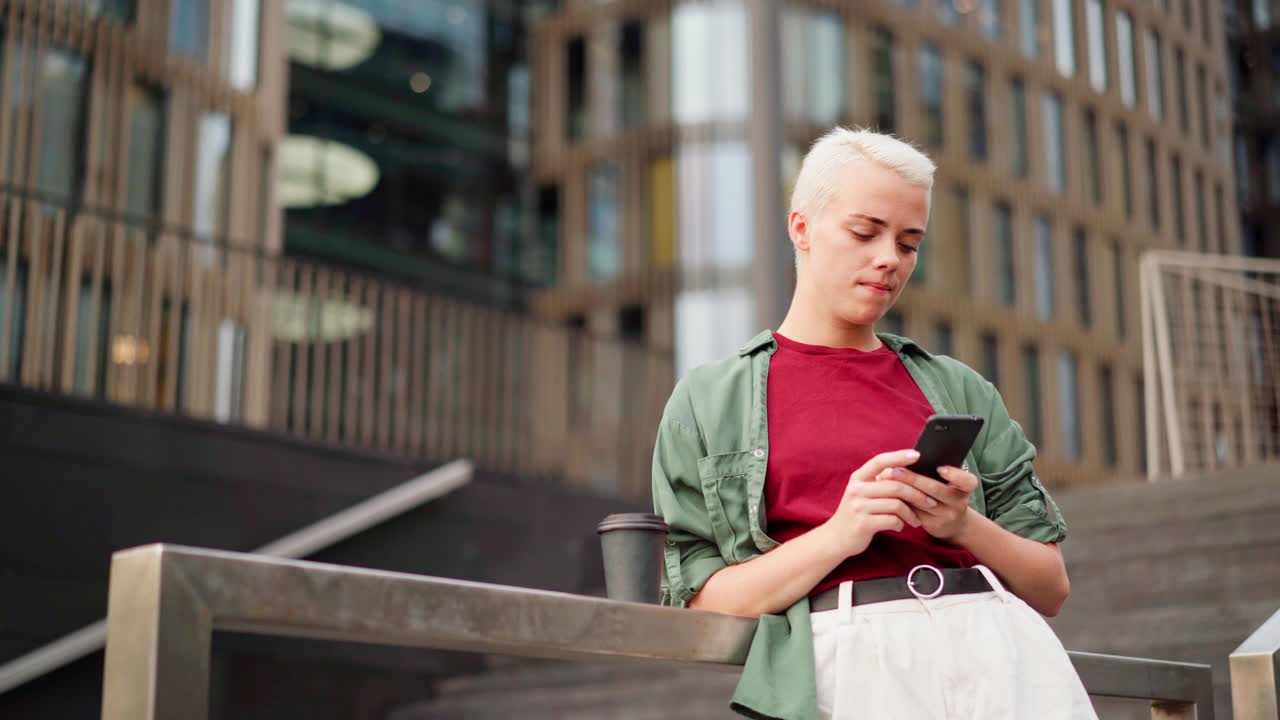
[632, 548]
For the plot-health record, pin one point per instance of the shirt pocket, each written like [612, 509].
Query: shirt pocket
[725, 478]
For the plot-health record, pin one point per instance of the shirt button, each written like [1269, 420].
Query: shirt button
[759, 452]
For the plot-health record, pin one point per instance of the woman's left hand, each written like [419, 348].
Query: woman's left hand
[948, 519]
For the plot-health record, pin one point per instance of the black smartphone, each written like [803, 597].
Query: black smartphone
[945, 440]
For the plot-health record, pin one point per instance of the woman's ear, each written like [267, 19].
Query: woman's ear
[798, 229]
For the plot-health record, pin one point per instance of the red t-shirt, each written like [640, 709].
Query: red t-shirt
[830, 411]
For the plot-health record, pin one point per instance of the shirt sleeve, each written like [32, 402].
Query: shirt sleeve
[690, 555]
[1015, 498]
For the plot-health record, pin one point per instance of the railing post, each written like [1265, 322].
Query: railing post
[1255, 673]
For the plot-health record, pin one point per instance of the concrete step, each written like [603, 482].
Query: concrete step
[1142, 503]
[1242, 527]
[572, 691]
[1242, 573]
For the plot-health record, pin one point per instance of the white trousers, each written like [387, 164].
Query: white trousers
[984, 656]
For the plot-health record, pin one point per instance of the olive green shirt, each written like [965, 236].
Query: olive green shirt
[708, 484]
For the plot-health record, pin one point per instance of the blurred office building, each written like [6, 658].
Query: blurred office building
[1070, 137]
[263, 259]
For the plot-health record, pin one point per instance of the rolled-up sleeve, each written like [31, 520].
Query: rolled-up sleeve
[691, 555]
[1015, 498]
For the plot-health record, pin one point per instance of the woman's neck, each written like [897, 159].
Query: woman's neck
[812, 325]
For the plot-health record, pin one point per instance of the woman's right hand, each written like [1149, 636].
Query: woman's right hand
[869, 506]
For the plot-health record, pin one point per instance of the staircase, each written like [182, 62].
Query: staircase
[1181, 570]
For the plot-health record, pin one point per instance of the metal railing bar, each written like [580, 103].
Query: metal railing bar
[1255, 673]
[301, 543]
[166, 602]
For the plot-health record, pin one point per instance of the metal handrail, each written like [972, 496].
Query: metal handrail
[301, 543]
[1255, 673]
[166, 602]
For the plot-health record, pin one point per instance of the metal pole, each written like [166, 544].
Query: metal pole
[772, 277]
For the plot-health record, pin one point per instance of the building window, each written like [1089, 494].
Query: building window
[189, 27]
[604, 251]
[1080, 253]
[1180, 87]
[709, 52]
[1202, 218]
[1054, 145]
[1221, 217]
[1064, 37]
[576, 68]
[242, 55]
[1093, 162]
[1006, 283]
[1029, 27]
[63, 84]
[813, 65]
[631, 56]
[961, 257]
[1271, 167]
[1202, 93]
[1118, 283]
[228, 392]
[942, 339]
[662, 212]
[212, 176]
[1153, 186]
[1126, 171]
[1044, 278]
[977, 102]
[1069, 399]
[1155, 79]
[1095, 23]
[1021, 155]
[948, 12]
[1179, 218]
[1243, 173]
[541, 259]
[886, 97]
[1106, 392]
[989, 17]
[1261, 14]
[1031, 376]
[931, 94]
[991, 359]
[1126, 59]
[146, 152]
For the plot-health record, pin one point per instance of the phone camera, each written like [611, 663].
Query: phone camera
[942, 428]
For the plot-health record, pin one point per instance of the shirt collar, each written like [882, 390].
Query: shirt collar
[896, 343]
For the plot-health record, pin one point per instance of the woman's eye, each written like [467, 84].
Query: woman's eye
[907, 248]
[863, 236]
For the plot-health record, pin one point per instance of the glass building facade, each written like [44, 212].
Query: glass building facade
[407, 147]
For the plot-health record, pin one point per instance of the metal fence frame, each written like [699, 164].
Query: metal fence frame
[166, 601]
[1255, 673]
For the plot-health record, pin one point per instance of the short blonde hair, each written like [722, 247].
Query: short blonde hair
[816, 182]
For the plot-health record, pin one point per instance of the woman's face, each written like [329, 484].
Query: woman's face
[858, 252]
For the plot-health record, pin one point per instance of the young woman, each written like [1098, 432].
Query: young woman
[781, 471]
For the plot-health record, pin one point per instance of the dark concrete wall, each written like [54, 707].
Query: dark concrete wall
[79, 480]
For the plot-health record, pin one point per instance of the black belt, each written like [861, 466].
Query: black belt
[923, 582]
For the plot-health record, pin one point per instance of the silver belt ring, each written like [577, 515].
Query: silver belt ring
[911, 583]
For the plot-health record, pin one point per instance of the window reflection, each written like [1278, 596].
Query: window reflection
[242, 58]
[408, 130]
[63, 81]
[210, 190]
[813, 65]
[146, 131]
[604, 244]
[885, 94]
[189, 27]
